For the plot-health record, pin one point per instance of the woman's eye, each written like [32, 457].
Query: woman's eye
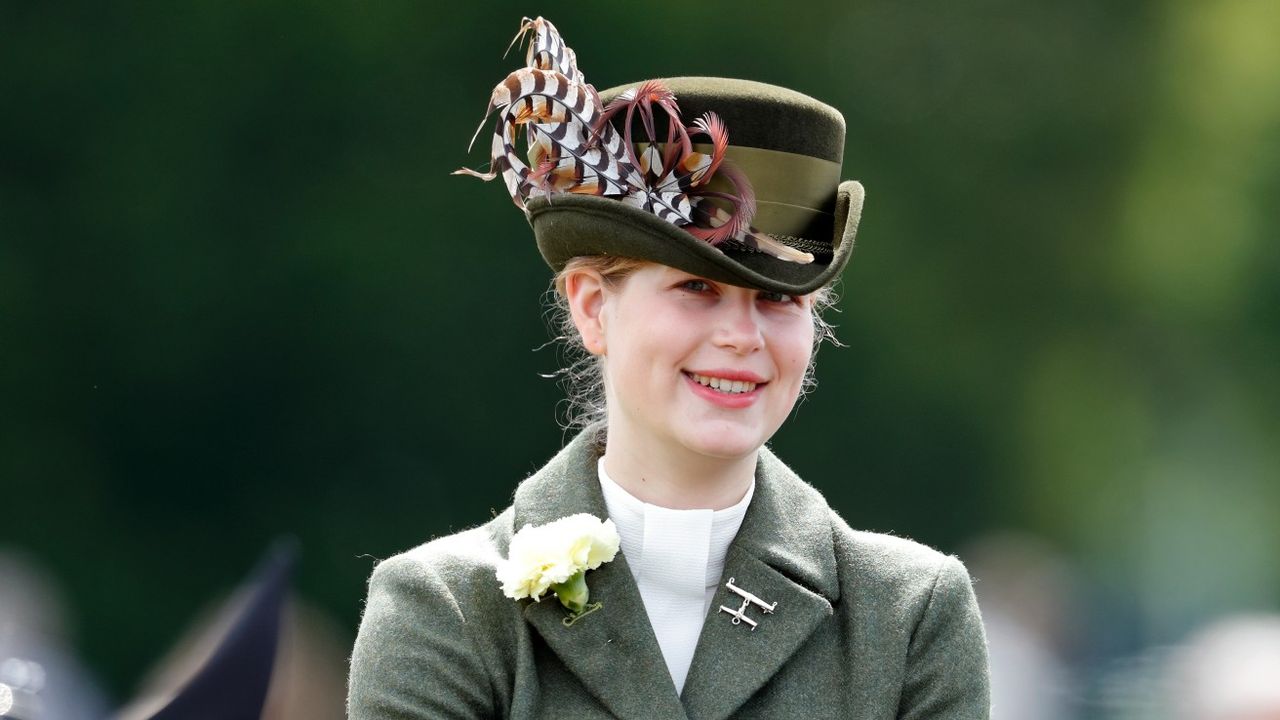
[695, 285]
[777, 297]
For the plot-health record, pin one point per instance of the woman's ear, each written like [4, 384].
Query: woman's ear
[584, 289]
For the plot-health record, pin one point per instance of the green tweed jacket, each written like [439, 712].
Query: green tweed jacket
[866, 625]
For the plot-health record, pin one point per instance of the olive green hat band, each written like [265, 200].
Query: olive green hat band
[795, 197]
[795, 194]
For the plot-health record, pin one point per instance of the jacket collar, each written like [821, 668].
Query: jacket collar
[782, 553]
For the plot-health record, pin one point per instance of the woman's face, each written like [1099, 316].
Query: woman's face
[706, 365]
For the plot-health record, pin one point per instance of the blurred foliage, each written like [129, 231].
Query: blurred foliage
[240, 294]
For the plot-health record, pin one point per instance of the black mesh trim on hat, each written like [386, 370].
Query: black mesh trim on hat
[822, 251]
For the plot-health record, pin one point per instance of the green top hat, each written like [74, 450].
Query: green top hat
[760, 204]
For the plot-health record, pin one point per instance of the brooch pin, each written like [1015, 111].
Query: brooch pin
[740, 615]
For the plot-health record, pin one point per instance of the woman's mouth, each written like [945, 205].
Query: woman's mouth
[724, 385]
[723, 391]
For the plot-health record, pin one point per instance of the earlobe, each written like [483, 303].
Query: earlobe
[584, 290]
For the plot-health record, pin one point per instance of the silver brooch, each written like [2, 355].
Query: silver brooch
[740, 614]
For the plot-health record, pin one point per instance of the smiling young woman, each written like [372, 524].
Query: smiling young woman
[697, 376]
[665, 563]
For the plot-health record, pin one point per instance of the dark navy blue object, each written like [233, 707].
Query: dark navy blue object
[233, 684]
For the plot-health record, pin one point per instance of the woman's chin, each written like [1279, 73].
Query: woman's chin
[726, 441]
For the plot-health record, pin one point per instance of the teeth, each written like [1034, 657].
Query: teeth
[731, 387]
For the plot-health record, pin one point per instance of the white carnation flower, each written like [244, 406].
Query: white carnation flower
[551, 554]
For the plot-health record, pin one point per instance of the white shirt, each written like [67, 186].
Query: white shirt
[676, 557]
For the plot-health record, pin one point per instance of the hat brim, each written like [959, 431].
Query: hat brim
[568, 225]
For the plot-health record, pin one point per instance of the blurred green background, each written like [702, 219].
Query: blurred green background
[241, 295]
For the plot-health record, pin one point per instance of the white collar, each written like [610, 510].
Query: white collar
[676, 558]
[629, 514]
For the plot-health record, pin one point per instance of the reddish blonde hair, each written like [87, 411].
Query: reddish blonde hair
[612, 268]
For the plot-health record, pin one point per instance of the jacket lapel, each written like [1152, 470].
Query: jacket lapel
[613, 650]
[782, 553]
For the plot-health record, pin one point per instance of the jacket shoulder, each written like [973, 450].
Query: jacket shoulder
[889, 560]
[426, 644]
[903, 578]
[454, 558]
[912, 596]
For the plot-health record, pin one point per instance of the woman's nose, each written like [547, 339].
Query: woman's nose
[738, 327]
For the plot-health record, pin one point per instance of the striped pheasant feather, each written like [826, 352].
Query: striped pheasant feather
[571, 146]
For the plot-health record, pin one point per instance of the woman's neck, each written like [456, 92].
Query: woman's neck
[676, 477]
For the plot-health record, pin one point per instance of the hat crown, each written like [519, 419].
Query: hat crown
[734, 180]
[757, 114]
[788, 145]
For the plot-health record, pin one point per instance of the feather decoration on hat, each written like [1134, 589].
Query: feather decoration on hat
[573, 147]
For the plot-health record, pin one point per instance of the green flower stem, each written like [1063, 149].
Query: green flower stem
[573, 592]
